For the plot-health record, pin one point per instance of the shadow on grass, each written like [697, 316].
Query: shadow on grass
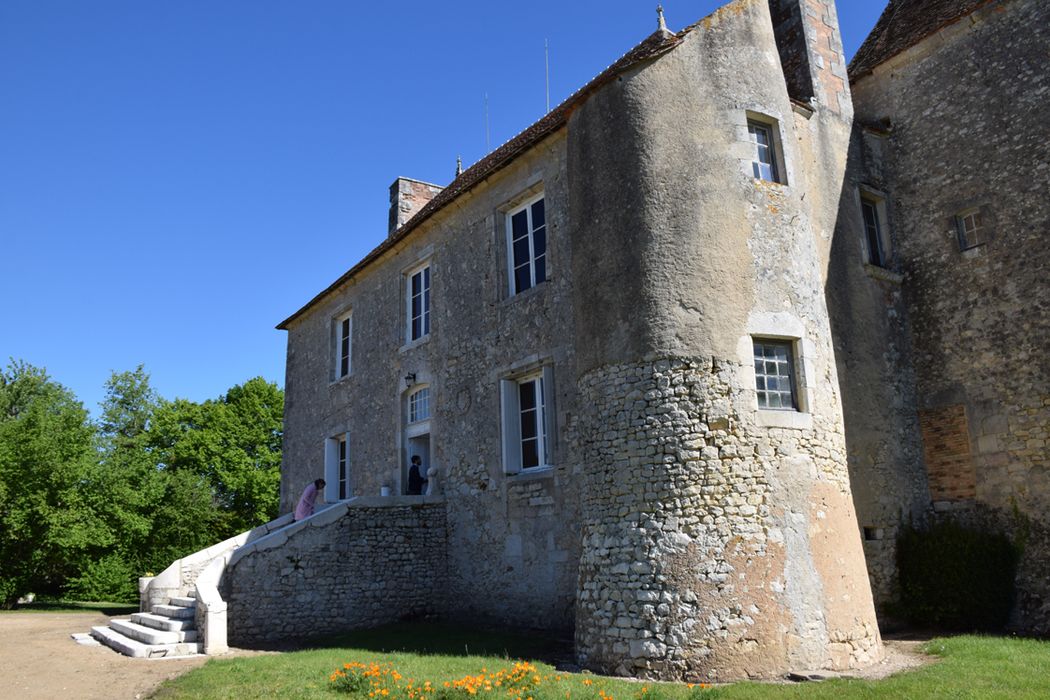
[428, 638]
[77, 606]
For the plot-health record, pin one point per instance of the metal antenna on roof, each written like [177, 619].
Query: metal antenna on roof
[488, 147]
[547, 70]
[661, 25]
[459, 166]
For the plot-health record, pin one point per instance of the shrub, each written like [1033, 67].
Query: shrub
[109, 578]
[956, 578]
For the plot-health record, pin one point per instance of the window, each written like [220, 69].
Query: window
[419, 405]
[343, 331]
[527, 246]
[528, 425]
[775, 374]
[533, 429]
[872, 210]
[764, 158]
[337, 467]
[418, 303]
[971, 228]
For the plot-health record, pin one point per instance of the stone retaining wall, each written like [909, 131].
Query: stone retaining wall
[373, 565]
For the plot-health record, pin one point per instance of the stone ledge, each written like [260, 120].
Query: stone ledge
[881, 273]
[796, 420]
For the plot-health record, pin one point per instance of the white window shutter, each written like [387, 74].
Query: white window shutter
[550, 414]
[331, 469]
[511, 426]
[349, 468]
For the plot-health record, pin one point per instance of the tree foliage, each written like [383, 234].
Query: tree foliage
[48, 520]
[87, 507]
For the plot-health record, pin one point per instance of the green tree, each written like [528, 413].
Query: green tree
[48, 522]
[234, 442]
[131, 486]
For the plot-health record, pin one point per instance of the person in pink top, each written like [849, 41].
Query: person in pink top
[305, 508]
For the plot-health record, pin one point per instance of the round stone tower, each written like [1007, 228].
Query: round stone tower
[719, 536]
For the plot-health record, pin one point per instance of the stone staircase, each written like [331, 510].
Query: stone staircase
[166, 632]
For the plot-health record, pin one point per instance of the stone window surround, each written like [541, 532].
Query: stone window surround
[745, 146]
[331, 464]
[407, 430]
[422, 259]
[781, 326]
[878, 198]
[527, 368]
[528, 194]
[423, 380]
[334, 377]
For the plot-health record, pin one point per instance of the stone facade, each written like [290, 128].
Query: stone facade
[961, 123]
[680, 530]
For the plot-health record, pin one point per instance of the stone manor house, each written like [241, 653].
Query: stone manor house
[681, 358]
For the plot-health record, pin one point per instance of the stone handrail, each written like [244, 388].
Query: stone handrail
[211, 608]
[199, 573]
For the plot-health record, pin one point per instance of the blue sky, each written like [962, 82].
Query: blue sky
[177, 178]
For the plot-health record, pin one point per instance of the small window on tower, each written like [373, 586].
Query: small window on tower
[766, 162]
[876, 232]
[972, 228]
[775, 374]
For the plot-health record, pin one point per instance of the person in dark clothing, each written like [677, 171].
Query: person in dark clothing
[416, 482]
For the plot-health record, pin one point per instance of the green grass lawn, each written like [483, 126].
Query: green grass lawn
[969, 667]
[74, 606]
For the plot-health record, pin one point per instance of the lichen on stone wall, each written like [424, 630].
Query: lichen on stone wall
[698, 561]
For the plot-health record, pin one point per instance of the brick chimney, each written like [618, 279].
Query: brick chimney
[810, 46]
[408, 196]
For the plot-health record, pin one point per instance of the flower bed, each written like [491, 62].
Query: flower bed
[522, 681]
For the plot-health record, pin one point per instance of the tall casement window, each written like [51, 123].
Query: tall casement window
[419, 405]
[971, 228]
[343, 333]
[337, 467]
[872, 210]
[528, 421]
[775, 374]
[764, 158]
[527, 245]
[418, 298]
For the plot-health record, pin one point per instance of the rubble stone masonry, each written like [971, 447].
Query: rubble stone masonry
[965, 117]
[373, 565]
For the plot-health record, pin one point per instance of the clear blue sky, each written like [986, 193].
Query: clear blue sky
[178, 177]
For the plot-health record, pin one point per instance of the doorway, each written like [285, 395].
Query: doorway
[416, 445]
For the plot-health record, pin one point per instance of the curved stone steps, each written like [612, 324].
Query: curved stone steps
[166, 632]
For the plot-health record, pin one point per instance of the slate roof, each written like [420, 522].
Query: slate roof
[654, 45]
[903, 24]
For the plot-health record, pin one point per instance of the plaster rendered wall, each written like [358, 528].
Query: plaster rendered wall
[513, 541]
[720, 541]
[967, 128]
[371, 566]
